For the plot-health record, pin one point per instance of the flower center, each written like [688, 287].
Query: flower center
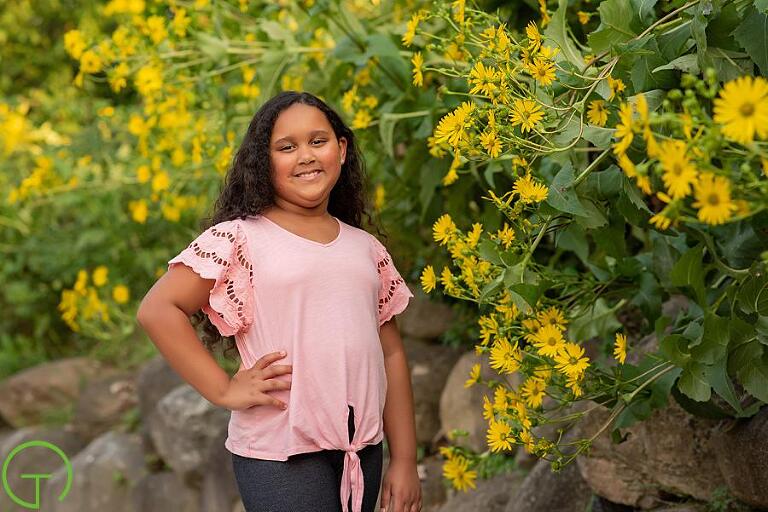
[747, 109]
[713, 199]
[552, 341]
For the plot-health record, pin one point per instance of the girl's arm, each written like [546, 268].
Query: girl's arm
[401, 488]
[164, 315]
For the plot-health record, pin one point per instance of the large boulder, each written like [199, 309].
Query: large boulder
[424, 318]
[462, 408]
[154, 380]
[430, 365]
[670, 453]
[29, 394]
[490, 495]
[103, 403]
[187, 429]
[742, 455]
[160, 492]
[546, 491]
[104, 476]
[34, 459]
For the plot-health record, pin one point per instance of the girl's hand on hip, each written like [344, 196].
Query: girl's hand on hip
[401, 488]
[249, 387]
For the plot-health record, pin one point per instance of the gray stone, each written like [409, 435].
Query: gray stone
[424, 318]
[102, 404]
[742, 455]
[546, 491]
[186, 430]
[490, 495]
[164, 491]
[103, 476]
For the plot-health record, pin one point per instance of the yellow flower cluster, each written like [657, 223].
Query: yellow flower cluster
[82, 302]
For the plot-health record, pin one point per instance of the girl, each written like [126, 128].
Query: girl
[286, 269]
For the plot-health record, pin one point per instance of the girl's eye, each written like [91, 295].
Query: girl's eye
[316, 140]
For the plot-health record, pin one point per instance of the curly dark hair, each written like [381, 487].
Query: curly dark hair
[248, 190]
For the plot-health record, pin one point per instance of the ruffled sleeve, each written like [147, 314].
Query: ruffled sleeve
[221, 253]
[394, 294]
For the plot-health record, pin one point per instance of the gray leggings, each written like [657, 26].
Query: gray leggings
[306, 482]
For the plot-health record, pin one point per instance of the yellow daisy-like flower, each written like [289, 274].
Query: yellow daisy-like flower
[428, 279]
[444, 230]
[74, 43]
[624, 129]
[573, 382]
[446, 279]
[456, 469]
[121, 294]
[542, 70]
[742, 109]
[473, 237]
[527, 114]
[483, 79]
[418, 76]
[90, 62]
[505, 235]
[620, 348]
[100, 275]
[616, 86]
[583, 17]
[474, 377]
[661, 221]
[713, 199]
[452, 127]
[679, 172]
[491, 143]
[533, 390]
[552, 316]
[548, 341]
[530, 190]
[505, 357]
[597, 113]
[534, 37]
[410, 29]
[500, 436]
[571, 360]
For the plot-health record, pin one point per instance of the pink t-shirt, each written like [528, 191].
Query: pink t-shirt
[324, 303]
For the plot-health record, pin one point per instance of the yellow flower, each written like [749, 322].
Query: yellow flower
[90, 62]
[679, 172]
[624, 129]
[428, 279]
[526, 113]
[138, 210]
[573, 383]
[491, 143]
[500, 436]
[548, 340]
[379, 195]
[160, 182]
[451, 128]
[482, 79]
[583, 17]
[456, 469]
[616, 86]
[505, 235]
[450, 177]
[544, 13]
[552, 316]
[505, 358]
[533, 390]
[100, 275]
[713, 199]
[418, 62]
[620, 348]
[530, 190]
[534, 37]
[446, 279]
[121, 294]
[597, 113]
[148, 80]
[74, 43]
[444, 230]
[571, 360]
[542, 70]
[474, 377]
[661, 221]
[362, 119]
[742, 109]
[473, 237]
[410, 31]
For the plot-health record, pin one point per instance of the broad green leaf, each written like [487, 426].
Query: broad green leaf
[491, 288]
[753, 294]
[675, 348]
[714, 340]
[752, 34]
[644, 75]
[598, 320]
[754, 378]
[489, 252]
[527, 291]
[687, 63]
[557, 32]
[561, 195]
[645, 11]
[594, 218]
[689, 271]
[615, 25]
[693, 383]
[717, 375]
[603, 184]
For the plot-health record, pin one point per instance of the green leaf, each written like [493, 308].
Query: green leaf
[557, 31]
[675, 348]
[615, 25]
[599, 320]
[527, 291]
[693, 382]
[491, 288]
[714, 340]
[689, 271]
[489, 252]
[645, 11]
[754, 378]
[717, 375]
[688, 63]
[595, 216]
[753, 294]
[644, 75]
[752, 34]
[603, 184]
[561, 195]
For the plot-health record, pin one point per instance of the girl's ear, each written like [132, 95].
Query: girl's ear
[343, 149]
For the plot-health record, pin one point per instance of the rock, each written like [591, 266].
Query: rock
[102, 403]
[490, 495]
[34, 459]
[164, 491]
[742, 456]
[433, 486]
[546, 491]
[154, 380]
[670, 453]
[430, 365]
[219, 488]
[104, 475]
[462, 408]
[187, 428]
[29, 394]
[424, 318]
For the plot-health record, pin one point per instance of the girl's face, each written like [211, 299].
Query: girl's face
[303, 141]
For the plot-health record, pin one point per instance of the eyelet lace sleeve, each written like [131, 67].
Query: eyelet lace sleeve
[394, 294]
[221, 253]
